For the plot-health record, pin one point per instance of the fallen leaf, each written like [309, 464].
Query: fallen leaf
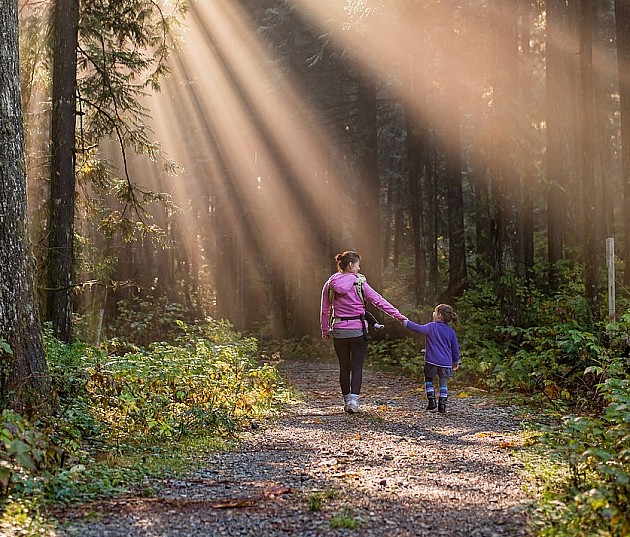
[229, 504]
[277, 490]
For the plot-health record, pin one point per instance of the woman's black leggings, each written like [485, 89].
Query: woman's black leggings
[351, 353]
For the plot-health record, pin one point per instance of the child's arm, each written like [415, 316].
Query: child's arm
[422, 328]
[455, 351]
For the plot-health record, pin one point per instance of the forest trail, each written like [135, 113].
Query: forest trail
[393, 470]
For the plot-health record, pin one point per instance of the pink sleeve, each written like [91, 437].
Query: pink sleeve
[374, 298]
[324, 315]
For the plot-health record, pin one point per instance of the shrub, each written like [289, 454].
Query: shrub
[118, 413]
[402, 354]
[144, 320]
[208, 381]
[593, 497]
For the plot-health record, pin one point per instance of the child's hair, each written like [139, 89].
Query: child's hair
[447, 313]
[347, 257]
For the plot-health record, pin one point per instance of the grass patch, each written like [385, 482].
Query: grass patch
[345, 520]
[317, 499]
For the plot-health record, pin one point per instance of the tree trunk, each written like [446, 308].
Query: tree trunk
[506, 187]
[622, 19]
[591, 241]
[557, 135]
[62, 171]
[399, 224]
[573, 196]
[24, 380]
[368, 231]
[388, 223]
[457, 244]
[529, 185]
[421, 190]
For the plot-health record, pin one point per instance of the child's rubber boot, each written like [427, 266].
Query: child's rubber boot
[432, 404]
[442, 404]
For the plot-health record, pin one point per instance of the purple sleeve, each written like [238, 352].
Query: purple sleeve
[422, 328]
[374, 298]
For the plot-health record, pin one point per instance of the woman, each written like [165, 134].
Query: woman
[342, 316]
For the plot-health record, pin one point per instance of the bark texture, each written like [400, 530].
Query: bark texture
[62, 176]
[24, 380]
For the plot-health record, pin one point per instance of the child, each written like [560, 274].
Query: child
[442, 352]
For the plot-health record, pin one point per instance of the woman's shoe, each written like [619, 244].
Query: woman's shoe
[353, 404]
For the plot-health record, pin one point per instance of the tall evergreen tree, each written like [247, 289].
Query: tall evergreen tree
[557, 111]
[622, 23]
[60, 265]
[24, 379]
[453, 156]
[591, 251]
[506, 180]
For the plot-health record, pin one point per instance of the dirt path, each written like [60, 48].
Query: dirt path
[394, 470]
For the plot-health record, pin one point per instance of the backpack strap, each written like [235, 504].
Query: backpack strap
[359, 286]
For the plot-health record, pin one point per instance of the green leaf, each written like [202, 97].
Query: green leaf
[5, 347]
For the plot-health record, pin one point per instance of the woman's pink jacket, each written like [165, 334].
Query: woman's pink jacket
[348, 303]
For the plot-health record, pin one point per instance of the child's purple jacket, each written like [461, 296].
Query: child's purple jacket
[347, 302]
[442, 348]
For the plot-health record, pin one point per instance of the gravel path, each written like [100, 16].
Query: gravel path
[394, 470]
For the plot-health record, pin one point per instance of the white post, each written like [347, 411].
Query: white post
[610, 262]
[99, 327]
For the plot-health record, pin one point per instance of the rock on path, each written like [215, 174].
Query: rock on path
[394, 470]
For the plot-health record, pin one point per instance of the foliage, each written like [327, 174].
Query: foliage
[123, 419]
[317, 499]
[305, 348]
[142, 320]
[546, 357]
[123, 52]
[592, 495]
[402, 354]
[562, 363]
[25, 451]
[171, 391]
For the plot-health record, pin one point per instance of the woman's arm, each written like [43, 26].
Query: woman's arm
[374, 298]
[324, 312]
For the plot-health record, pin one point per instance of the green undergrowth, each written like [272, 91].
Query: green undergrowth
[579, 469]
[123, 420]
[572, 379]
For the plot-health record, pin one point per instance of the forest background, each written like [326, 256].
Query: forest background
[190, 163]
